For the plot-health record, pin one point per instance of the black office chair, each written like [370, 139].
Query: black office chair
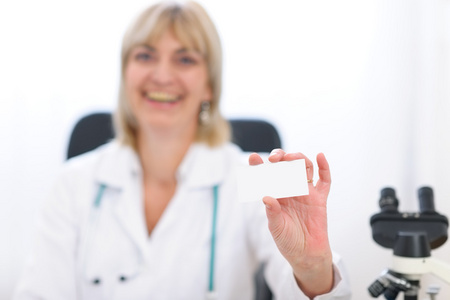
[96, 129]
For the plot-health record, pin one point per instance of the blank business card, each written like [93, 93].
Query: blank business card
[278, 180]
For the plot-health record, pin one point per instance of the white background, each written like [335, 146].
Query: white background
[365, 82]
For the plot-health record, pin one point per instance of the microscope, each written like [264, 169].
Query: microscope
[411, 236]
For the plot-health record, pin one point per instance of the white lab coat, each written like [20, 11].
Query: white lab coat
[84, 251]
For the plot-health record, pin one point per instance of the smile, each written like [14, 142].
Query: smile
[162, 97]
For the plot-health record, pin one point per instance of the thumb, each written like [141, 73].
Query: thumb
[274, 216]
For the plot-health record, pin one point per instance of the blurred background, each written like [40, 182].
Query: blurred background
[365, 82]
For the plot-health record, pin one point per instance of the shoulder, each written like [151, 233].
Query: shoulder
[102, 164]
[205, 166]
[230, 153]
[90, 157]
[224, 157]
[79, 178]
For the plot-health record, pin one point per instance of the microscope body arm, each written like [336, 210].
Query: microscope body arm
[421, 265]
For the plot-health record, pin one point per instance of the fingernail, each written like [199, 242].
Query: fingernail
[268, 206]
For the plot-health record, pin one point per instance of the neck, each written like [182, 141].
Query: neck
[161, 154]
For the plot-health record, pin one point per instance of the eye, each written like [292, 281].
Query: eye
[143, 56]
[187, 60]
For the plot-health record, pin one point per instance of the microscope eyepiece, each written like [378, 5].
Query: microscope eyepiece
[426, 200]
[388, 201]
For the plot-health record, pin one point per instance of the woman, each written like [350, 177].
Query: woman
[132, 220]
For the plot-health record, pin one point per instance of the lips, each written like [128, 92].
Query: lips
[162, 97]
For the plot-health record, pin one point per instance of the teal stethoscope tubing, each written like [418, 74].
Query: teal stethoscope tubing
[98, 200]
[213, 238]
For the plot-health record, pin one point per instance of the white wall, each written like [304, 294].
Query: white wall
[365, 82]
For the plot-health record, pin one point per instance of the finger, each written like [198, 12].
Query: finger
[324, 171]
[276, 155]
[274, 216]
[281, 155]
[293, 156]
[254, 159]
[309, 170]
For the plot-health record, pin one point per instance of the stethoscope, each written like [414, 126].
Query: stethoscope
[211, 294]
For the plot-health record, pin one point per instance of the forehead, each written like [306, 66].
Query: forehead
[167, 41]
[176, 37]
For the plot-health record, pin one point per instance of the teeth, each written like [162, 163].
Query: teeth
[162, 97]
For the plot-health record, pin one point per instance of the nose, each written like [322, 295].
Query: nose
[163, 73]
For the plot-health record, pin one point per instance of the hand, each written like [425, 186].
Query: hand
[299, 226]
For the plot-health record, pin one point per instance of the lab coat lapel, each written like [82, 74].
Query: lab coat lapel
[120, 170]
[129, 214]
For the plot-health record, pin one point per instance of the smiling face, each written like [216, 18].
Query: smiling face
[165, 83]
[195, 36]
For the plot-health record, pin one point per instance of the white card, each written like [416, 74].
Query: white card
[278, 180]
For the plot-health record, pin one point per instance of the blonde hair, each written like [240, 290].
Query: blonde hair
[192, 27]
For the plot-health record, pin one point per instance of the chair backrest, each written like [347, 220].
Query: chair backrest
[96, 129]
[90, 132]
